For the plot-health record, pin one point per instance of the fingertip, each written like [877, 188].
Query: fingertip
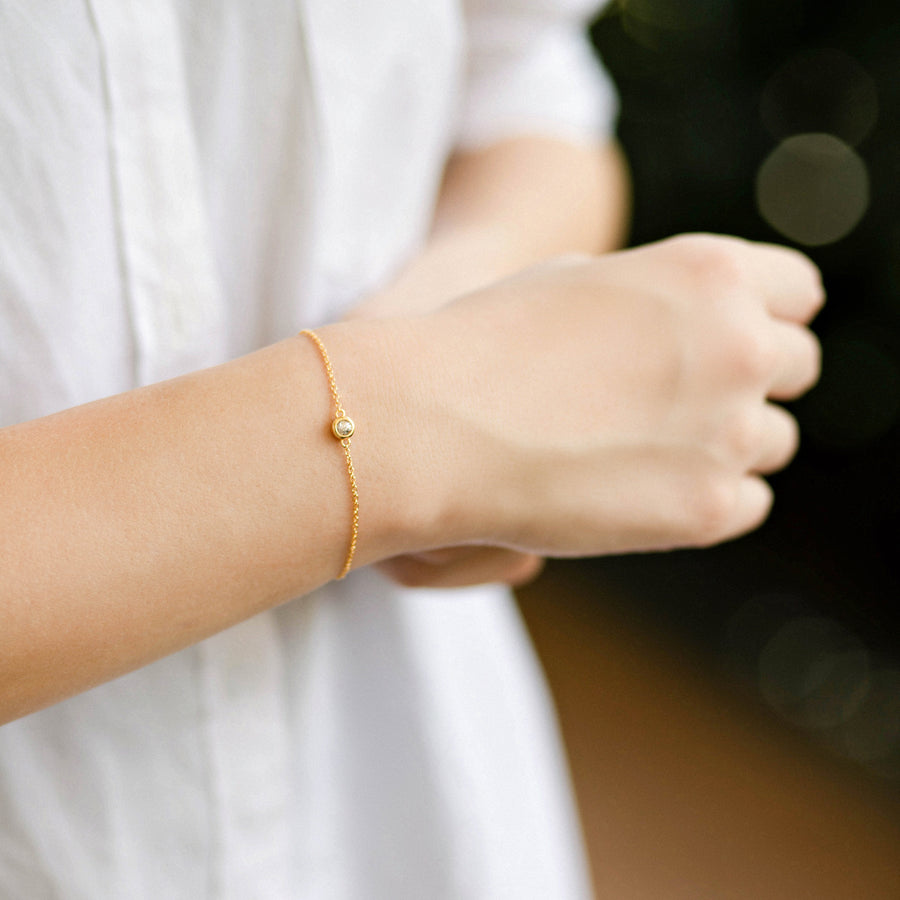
[755, 499]
[528, 569]
[801, 354]
[818, 294]
[815, 288]
[790, 280]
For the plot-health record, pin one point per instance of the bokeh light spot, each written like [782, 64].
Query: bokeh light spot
[750, 627]
[813, 189]
[820, 91]
[814, 673]
[873, 733]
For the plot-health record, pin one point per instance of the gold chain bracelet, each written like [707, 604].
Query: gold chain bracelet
[342, 427]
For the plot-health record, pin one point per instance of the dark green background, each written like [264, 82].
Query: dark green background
[692, 76]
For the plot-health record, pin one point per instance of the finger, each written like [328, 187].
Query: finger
[525, 570]
[462, 567]
[788, 280]
[800, 361]
[754, 502]
[780, 437]
[749, 500]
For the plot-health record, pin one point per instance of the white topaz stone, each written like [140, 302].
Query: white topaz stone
[343, 428]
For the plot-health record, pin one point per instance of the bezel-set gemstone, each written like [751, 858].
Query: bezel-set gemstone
[343, 428]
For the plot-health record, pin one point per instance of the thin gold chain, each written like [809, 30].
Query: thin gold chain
[341, 417]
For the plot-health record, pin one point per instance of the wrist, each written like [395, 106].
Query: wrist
[403, 479]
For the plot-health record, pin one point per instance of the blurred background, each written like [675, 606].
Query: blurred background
[733, 715]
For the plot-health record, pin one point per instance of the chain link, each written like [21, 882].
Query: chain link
[345, 443]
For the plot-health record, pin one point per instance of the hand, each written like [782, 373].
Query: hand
[616, 404]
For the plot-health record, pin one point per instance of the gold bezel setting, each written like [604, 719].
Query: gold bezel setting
[342, 428]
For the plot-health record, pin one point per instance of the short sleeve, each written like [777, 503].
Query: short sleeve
[531, 69]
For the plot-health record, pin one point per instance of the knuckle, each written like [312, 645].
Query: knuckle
[713, 264]
[711, 508]
[740, 438]
[753, 356]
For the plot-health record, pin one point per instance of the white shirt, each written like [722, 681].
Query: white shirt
[182, 182]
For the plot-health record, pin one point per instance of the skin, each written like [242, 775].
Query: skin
[501, 209]
[584, 405]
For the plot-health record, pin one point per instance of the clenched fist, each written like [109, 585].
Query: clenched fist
[605, 405]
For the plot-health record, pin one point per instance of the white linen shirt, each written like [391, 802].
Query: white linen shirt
[182, 182]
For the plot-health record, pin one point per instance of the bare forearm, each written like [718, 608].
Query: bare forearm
[507, 207]
[552, 196]
[157, 518]
[582, 407]
[137, 525]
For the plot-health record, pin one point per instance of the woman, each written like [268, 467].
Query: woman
[186, 183]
